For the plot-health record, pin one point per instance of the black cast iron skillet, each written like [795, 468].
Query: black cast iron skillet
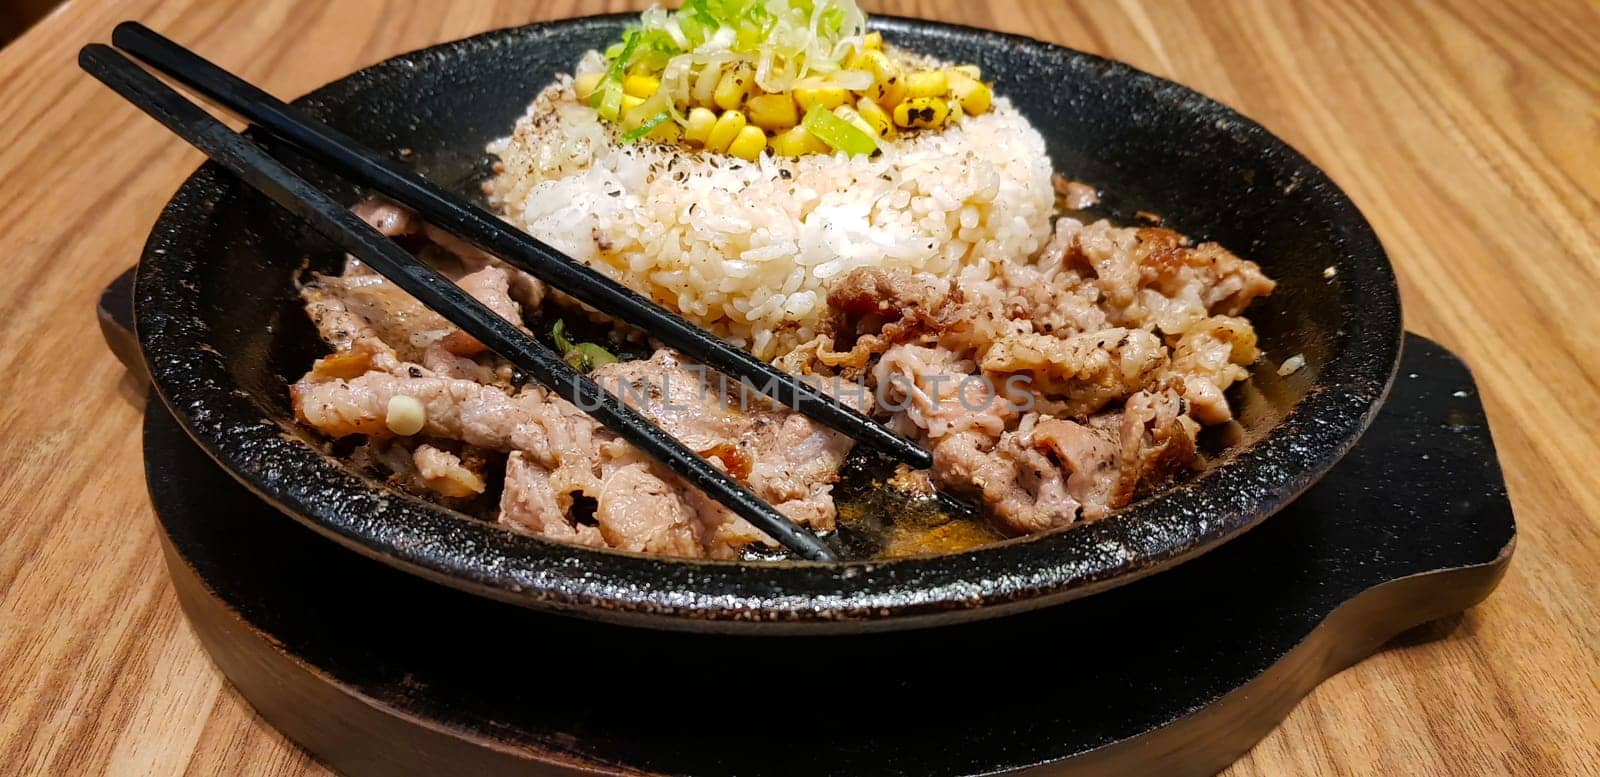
[222, 334]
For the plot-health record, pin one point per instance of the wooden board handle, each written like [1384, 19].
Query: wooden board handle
[115, 311]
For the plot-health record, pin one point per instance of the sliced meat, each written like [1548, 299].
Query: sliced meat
[1054, 390]
[1117, 335]
[639, 511]
[877, 308]
[339, 311]
[1108, 253]
[1115, 456]
[368, 311]
[456, 409]
[393, 220]
[1154, 277]
[1021, 487]
[389, 219]
[492, 286]
[786, 459]
[1208, 358]
[1157, 438]
[1085, 371]
[871, 295]
[524, 288]
[783, 457]
[936, 394]
[1075, 195]
[362, 311]
[529, 504]
[1230, 284]
[1091, 455]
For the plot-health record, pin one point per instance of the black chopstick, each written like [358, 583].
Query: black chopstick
[337, 223]
[517, 248]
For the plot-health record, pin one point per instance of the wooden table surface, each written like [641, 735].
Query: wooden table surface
[1468, 131]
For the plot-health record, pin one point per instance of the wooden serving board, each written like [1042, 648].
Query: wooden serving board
[378, 672]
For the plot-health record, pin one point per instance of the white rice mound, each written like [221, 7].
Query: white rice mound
[749, 249]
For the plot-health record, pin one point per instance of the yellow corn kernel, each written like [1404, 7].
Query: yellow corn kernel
[854, 60]
[796, 141]
[888, 83]
[640, 85]
[877, 63]
[728, 127]
[975, 95]
[405, 415]
[705, 85]
[829, 97]
[872, 41]
[631, 117]
[585, 84]
[749, 143]
[734, 87]
[698, 129]
[970, 71]
[849, 114]
[921, 112]
[927, 83]
[772, 112]
[790, 142]
[890, 92]
[666, 132]
[882, 123]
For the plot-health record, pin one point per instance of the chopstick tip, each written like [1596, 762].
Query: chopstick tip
[128, 29]
[94, 55]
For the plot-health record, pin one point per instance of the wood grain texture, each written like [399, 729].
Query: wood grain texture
[1468, 131]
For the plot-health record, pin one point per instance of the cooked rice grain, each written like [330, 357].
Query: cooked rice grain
[748, 249]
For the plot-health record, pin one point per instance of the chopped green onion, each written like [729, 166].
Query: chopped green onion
[583, 357]
[838, 133]
[558, 333]
[589, 357]
[792, 39]
[607, 98]
[630, 44]
[647, 127]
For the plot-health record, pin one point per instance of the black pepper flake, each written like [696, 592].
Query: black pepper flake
[415, 372]
[784, 173]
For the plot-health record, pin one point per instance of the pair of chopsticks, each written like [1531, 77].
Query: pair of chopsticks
[243, 158]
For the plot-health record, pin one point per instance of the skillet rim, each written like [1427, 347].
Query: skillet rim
[1160, 531]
